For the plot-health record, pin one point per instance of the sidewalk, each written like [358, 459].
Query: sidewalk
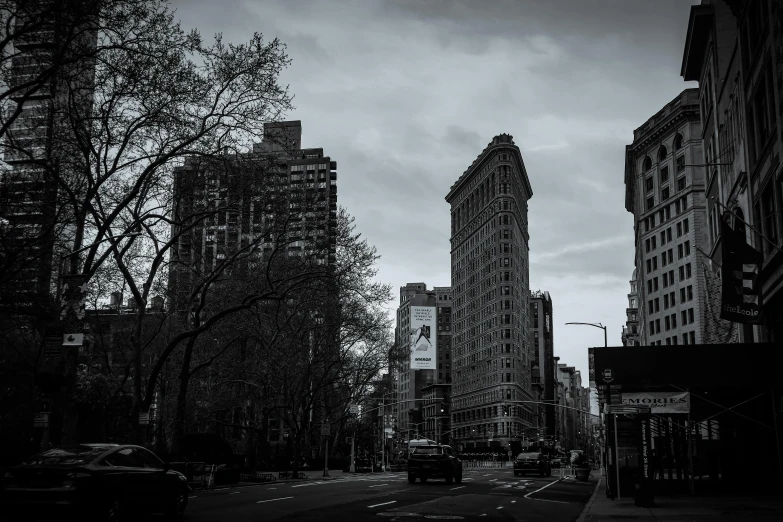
[680, 509]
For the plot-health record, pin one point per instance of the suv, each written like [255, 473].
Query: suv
[434, 461]
[535, 462]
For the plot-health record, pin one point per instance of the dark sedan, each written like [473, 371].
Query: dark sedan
[97, 481]
[532, 462]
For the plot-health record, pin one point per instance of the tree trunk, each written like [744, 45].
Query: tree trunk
[180, 407]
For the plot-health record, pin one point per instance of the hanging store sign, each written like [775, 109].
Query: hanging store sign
[423, 341]
[741, 290]
[660, 402]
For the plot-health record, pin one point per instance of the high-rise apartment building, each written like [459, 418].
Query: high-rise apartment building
[630, 335]
[411, 414]
[734, 49]
[279, 196]
[664, 190]
[490, 298]
[543, 370]
[48, 77]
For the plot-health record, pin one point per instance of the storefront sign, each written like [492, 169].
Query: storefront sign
[660, 402]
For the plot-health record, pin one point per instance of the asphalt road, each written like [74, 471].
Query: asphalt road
[494, 494]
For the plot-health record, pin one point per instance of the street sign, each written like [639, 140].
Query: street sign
[41, 420]
[608, 375]
[144, 417]
[354, 409]
[73, 339]
[325, 429]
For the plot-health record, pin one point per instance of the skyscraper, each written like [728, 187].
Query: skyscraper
[664, 190]
[490, 298]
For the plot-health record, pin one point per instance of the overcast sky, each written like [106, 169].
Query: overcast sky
[405, 94]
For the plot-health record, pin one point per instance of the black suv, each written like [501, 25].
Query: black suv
[434, 461]
[532, 462]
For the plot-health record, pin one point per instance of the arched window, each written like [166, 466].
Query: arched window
[678, 142]
[647, 165]
[662, 153]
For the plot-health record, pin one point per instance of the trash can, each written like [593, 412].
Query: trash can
[582, 474]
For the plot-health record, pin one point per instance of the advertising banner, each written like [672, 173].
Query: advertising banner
[423, 338]
[660, 402]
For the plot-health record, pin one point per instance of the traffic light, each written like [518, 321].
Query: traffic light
[444, 408]
[505, 410]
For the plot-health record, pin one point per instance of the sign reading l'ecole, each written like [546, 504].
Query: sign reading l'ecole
[660, 402]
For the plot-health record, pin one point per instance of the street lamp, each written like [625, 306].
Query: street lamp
[597, 325]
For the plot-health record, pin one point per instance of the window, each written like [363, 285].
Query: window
[682, 273]
[684, 317]
[681, 183]
[648, 183]
[685, 338]
[690, 293]
[679, 229]
[664, 175]
[662, 152]
[692, 337]
[647, 164]
[674, 320]
[657, 326]
[669, 234]
[125, 458]
[682, 295]
[663, 237]
[666, 303]
[663, 263]
[667, 324]
[688, 271]
[655, 263]
[657, 305]
[678, 142]
[679, 251]
[690, 315]
[680, 164]
[649, 266]
[687, 248]
[665, 194]
[647, 245]
[653, 242]
[685, 226]
[655, 284]
[650, 203]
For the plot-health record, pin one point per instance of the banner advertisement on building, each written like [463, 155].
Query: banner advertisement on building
[423, 338]
[660, 402]
[741, 293]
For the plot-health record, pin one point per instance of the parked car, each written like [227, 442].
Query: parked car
[434, 461]
[532, 462]
[96, 481]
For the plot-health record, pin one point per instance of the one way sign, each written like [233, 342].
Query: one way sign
[73, 339]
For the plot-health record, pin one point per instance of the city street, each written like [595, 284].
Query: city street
[483, 494]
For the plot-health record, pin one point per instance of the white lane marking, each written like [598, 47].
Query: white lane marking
[194, 496]
[270, 489]
[492, 480]
[483, 515]
[382, 504]
[539, 489]
[458, 487]
[310, 484]
[513, 501]
[499, 507]
[235, 493]
[273, 499]
[378, 485]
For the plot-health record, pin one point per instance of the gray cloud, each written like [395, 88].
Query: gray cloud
[405, 94]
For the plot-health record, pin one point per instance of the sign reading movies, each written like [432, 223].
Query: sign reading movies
[423, 338]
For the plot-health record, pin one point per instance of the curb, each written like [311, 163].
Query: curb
[586, 510]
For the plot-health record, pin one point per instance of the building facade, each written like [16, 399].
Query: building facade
[410, 411]
[734, 49]
[490, 298]
[49, 80]
[665, 191]
[630, 335]
[543, 371]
